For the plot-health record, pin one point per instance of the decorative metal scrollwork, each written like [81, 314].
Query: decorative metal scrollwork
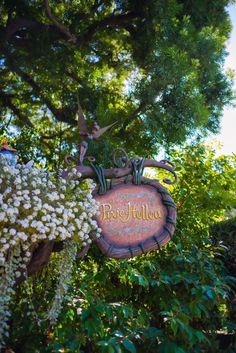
[120, 158]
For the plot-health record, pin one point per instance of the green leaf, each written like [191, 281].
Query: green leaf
[201, 337]
[118, 333]
[118, 349]
[129, 346]
[174, 326]
[107, 349]
[102, 343]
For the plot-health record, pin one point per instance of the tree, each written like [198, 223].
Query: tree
[153, 66]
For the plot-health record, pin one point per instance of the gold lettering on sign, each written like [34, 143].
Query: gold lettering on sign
[130, 212]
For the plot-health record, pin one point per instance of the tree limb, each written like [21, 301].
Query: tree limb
[82, 124]
[63, 114]
[56, 134]
[120, 20]
[8, 102]
[73, 76]
[71, 37]
[17, 24]
[40, 258]
[132, 116]
[112, 21]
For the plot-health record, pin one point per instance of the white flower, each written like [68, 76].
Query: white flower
[2, 216]
[12, 231]
[79, 311]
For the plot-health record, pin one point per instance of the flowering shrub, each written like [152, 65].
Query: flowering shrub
[36, 206]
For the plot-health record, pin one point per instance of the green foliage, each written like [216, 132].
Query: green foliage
[175, 300]
[153, 66]
[225, 233]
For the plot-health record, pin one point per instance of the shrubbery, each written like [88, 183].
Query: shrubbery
[176, 300]
[224, 234]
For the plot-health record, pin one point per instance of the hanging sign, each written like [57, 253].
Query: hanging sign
[135, 219]
[136, 215]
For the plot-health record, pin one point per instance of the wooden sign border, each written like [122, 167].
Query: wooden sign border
[156, 241]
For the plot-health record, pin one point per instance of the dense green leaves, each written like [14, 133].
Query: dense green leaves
[177, 300]
[224, 234]
[153, 66]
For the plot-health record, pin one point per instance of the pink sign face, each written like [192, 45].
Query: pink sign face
[129, 216]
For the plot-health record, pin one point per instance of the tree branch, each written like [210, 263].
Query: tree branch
[63, 114]
[120, 20]
[40, 258]
[132, 116]
[71, 37]
[8, 102]
[112, 21]
[73, 76]
[17, 24]
[82, 124]
[56, 134]
[41, 254]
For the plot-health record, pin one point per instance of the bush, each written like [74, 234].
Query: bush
[172, 301]
[224, 233]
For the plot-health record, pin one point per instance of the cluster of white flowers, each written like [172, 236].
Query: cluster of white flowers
[36, 206]
[8, 275]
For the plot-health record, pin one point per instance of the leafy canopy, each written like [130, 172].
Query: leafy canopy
[153, 66]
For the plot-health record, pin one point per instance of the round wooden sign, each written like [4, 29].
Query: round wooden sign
[135, 219]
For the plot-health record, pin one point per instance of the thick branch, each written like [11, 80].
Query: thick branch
[131, 117]
[40, 258]
[20, 25]
[111, 21]
[121, 20]
[60, 114]
[71, 37]
[82, 124]
[17, 24]
[56, 134]
[73, 76]
[7, 99]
